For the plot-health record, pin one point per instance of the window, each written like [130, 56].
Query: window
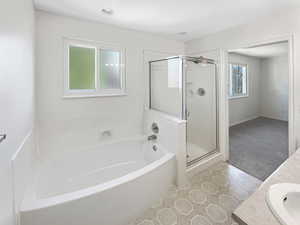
[238, 80]
[82, 68]
[92, 69]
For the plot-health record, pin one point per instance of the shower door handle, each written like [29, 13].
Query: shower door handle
[201, 91]
[2, 137]
[187, 113]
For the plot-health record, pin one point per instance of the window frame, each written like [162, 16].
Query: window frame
[97, 92]
[230, 81]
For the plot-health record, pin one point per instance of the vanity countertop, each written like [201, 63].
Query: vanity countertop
[254, 210]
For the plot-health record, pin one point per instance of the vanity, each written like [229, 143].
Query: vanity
[277, 200]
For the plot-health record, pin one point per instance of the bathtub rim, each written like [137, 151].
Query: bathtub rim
[31, 203]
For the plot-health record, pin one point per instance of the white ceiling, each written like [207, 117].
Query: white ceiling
[169, 17]
[264, 51]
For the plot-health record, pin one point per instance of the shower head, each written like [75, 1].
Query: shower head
[200, 59]
[195, 61]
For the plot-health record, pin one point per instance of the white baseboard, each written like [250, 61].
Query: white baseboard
[274, 118]
[255, 117]
[244, 120]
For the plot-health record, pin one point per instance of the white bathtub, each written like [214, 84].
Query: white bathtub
[108, 185]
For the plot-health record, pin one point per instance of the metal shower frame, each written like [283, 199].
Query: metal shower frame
[182, 90]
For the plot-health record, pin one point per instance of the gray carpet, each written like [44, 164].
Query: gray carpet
[259, 146]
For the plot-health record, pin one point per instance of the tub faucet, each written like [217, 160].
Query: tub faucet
[152, 137]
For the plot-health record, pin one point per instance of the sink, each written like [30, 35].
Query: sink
[283, 200]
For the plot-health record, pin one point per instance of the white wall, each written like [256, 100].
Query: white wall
[245, 108]
[16, 91]
[274, 87]
[269, 29]
[66, 124]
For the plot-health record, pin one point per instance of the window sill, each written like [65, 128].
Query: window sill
[70, 96]
[237, 97]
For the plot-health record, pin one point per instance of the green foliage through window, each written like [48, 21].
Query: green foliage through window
[93, 69]
[81, 68]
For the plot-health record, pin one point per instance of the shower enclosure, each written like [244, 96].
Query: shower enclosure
[186, 87]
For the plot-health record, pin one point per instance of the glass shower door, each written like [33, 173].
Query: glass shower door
[201, 110]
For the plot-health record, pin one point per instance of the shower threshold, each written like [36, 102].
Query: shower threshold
[192, 162]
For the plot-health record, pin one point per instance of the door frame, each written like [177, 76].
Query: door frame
[291, 113]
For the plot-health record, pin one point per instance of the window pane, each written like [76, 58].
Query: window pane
[238, 80]
[81, 68]
[110, 69]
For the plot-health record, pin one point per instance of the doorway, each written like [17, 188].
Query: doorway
[260, 107]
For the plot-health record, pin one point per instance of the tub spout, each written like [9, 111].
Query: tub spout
[152, 137]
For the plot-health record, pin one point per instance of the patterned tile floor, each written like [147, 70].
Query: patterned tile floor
[209, 199]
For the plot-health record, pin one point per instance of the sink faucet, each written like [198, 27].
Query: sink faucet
[152, 137]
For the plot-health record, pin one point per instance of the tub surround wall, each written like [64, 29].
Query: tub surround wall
[68, 124]
[16, 92]
[172, 137]
[23, 166]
